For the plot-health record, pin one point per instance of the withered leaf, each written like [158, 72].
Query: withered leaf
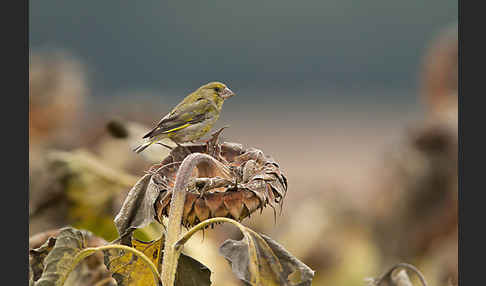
[191, 272]
[138, 209]
[58, 262]
[397, 276]
[130, 270]
[401, 278]
[37, 256]
[258, 260]
[87, 272]
[31, 276]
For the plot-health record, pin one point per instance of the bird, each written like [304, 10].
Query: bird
[192, 118]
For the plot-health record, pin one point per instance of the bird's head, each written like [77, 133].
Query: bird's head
[217, 90]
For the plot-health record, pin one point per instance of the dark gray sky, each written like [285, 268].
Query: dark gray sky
[155, 44]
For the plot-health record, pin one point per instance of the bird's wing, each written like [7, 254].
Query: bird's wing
[183, 117]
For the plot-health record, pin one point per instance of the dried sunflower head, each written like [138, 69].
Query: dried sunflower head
[245, 180]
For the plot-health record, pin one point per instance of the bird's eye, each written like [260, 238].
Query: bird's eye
[217, 89]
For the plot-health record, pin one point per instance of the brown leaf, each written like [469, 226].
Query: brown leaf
[138, 208]
[191, 272]
[57, 255]
[259, 260]
[37, 256]
[397, 276]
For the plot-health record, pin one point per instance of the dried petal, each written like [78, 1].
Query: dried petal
[214, 202]
[202, 211]
[234, 204]
[252, 203]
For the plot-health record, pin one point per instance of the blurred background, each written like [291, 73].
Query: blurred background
[357, 100]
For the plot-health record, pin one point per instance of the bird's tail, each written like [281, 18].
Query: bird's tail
[143, 146]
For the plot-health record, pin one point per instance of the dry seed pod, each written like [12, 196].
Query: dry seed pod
[245, 181]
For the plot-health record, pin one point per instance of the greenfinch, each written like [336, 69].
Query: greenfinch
[192, 118]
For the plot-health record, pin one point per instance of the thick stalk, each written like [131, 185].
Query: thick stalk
[171, 256]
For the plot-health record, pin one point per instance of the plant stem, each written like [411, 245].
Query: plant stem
[171, 255]
[203, 224]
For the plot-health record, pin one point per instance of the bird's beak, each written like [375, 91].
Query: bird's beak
[227, 93]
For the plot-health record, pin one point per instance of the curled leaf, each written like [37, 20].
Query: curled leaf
[60, 259]
[31, 276]
[259, 260]
[37, 256]
[397, 276]
[401, 278]
[138, 208]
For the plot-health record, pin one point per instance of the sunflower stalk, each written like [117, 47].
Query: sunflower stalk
[171, 255]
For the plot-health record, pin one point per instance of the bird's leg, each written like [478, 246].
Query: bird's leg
[182, 147]
[177, 143]
[166, 146]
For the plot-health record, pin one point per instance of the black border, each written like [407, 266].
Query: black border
[471, 55]
[15, 139]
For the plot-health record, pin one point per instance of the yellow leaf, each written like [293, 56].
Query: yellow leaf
[128, 269]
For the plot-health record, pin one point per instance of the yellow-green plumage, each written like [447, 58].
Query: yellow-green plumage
[192, 118]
